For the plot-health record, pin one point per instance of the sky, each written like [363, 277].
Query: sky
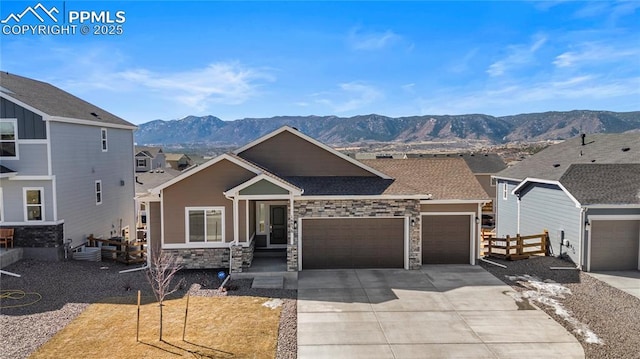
[231, 59]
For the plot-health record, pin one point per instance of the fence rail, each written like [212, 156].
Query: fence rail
[513, 248]
[121, 250]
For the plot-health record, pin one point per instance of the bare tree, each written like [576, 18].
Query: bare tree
[160, 274]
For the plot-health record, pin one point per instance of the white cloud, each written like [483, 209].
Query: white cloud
[373, 40]
[518, 55]
[592, 53]
[218, 83]
[350, 96]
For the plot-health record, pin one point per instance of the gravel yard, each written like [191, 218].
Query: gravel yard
[68, 288]
[605, 320]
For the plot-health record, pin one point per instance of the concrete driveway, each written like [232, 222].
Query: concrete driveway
[627, 281]
[441, 311]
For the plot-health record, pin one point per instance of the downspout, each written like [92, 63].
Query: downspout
[583, 211]
[518, 220]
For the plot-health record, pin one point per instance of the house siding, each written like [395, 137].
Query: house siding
[30, 125]
[485, 182]
[32, 160]
[506, 210]
[78, 161]
[289, 155]
[13, 199]
[547, 207]
[203, 189]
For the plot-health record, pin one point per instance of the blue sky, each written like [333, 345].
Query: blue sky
[261, 59]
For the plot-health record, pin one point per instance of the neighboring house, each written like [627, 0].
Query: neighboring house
[149, 158]
[67, 168]
[483, 166]
[145, 181]
[178, 161]
[287, 190]
[585, 192]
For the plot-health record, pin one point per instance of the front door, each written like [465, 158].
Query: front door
[278, 225]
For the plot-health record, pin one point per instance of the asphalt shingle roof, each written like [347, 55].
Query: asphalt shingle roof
[477, 162]
[150, 151]
[4, 170]
[148, 180]
[341, 186]
[54, 101]
[552, 162]
[603, 183]
[443, 178]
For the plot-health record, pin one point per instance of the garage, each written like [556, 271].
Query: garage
[446, 239]
[337, 243]
[614, 245]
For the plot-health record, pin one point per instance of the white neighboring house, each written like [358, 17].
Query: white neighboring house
[149, 158]
[67, 168]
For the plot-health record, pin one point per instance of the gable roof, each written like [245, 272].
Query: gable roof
[477, 162]
[148, 151]
[603, 184]
[443, 178]
[552, 162]
[175, 156]
[315, 142]
[55, 102]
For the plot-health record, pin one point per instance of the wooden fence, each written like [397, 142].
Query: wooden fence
[514, 248]
[121, 250]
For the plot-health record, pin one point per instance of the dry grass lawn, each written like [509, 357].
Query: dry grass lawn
[217, 327]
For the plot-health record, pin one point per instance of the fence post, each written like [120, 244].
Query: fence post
[489, 243]
[544, 242]
[519, 249]
[508, 247]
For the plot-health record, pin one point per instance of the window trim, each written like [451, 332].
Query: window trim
[205, 242]
[505, 191]
[15, 140]
[27, 205]
[138, 163]
[104, 142]
[99, 192]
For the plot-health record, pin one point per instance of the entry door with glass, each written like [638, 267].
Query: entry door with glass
[277, 225]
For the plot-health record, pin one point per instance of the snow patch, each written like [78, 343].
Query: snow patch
[273, 303]
[548, 292]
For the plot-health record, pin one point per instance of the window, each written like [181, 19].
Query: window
[98, 192]
[103, 139]
[8, 137]
[262, 218]
[505, 190]
[205, 224]
[33, 204]
[141, 162]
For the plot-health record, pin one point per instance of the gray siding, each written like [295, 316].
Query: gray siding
[78, 161]
[30, 125]
[506, 210]
[13, 199]
[613, 212]
[548, 207]
[32, 160]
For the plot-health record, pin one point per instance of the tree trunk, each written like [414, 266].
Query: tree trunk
[160, 321]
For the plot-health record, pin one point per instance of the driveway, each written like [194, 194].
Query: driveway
[627, 281]
[440, 311]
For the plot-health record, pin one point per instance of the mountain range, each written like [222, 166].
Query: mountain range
[336, 131]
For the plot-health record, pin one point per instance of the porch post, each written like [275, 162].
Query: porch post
[291, 219]
[236, 226]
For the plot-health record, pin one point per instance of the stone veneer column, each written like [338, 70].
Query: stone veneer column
[292, 258]
[236, 259]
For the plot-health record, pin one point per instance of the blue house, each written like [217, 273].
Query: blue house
[586, 192]
[67, 168]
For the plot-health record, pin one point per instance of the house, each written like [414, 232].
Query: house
[483, 166]
[178, 161]
[586, 192]
[288, 190]
[149, 158]
[144, 182]
[67, 168]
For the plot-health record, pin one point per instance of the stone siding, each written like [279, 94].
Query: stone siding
[207, 258]
[44, 242]
[359, 208]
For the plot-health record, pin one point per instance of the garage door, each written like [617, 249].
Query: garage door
[614, 245]
[352, 243]
[445, 239]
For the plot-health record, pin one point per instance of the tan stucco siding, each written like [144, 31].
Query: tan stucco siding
[154, 221]
[485, 182]
[288, 155]
[463, 207]
[202, 189]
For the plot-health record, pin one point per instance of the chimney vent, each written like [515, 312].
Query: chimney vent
[583, 137]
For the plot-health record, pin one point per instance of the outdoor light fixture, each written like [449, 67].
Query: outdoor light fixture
[477, 220]
[587, 224]
[295, 225]
[413, 222]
